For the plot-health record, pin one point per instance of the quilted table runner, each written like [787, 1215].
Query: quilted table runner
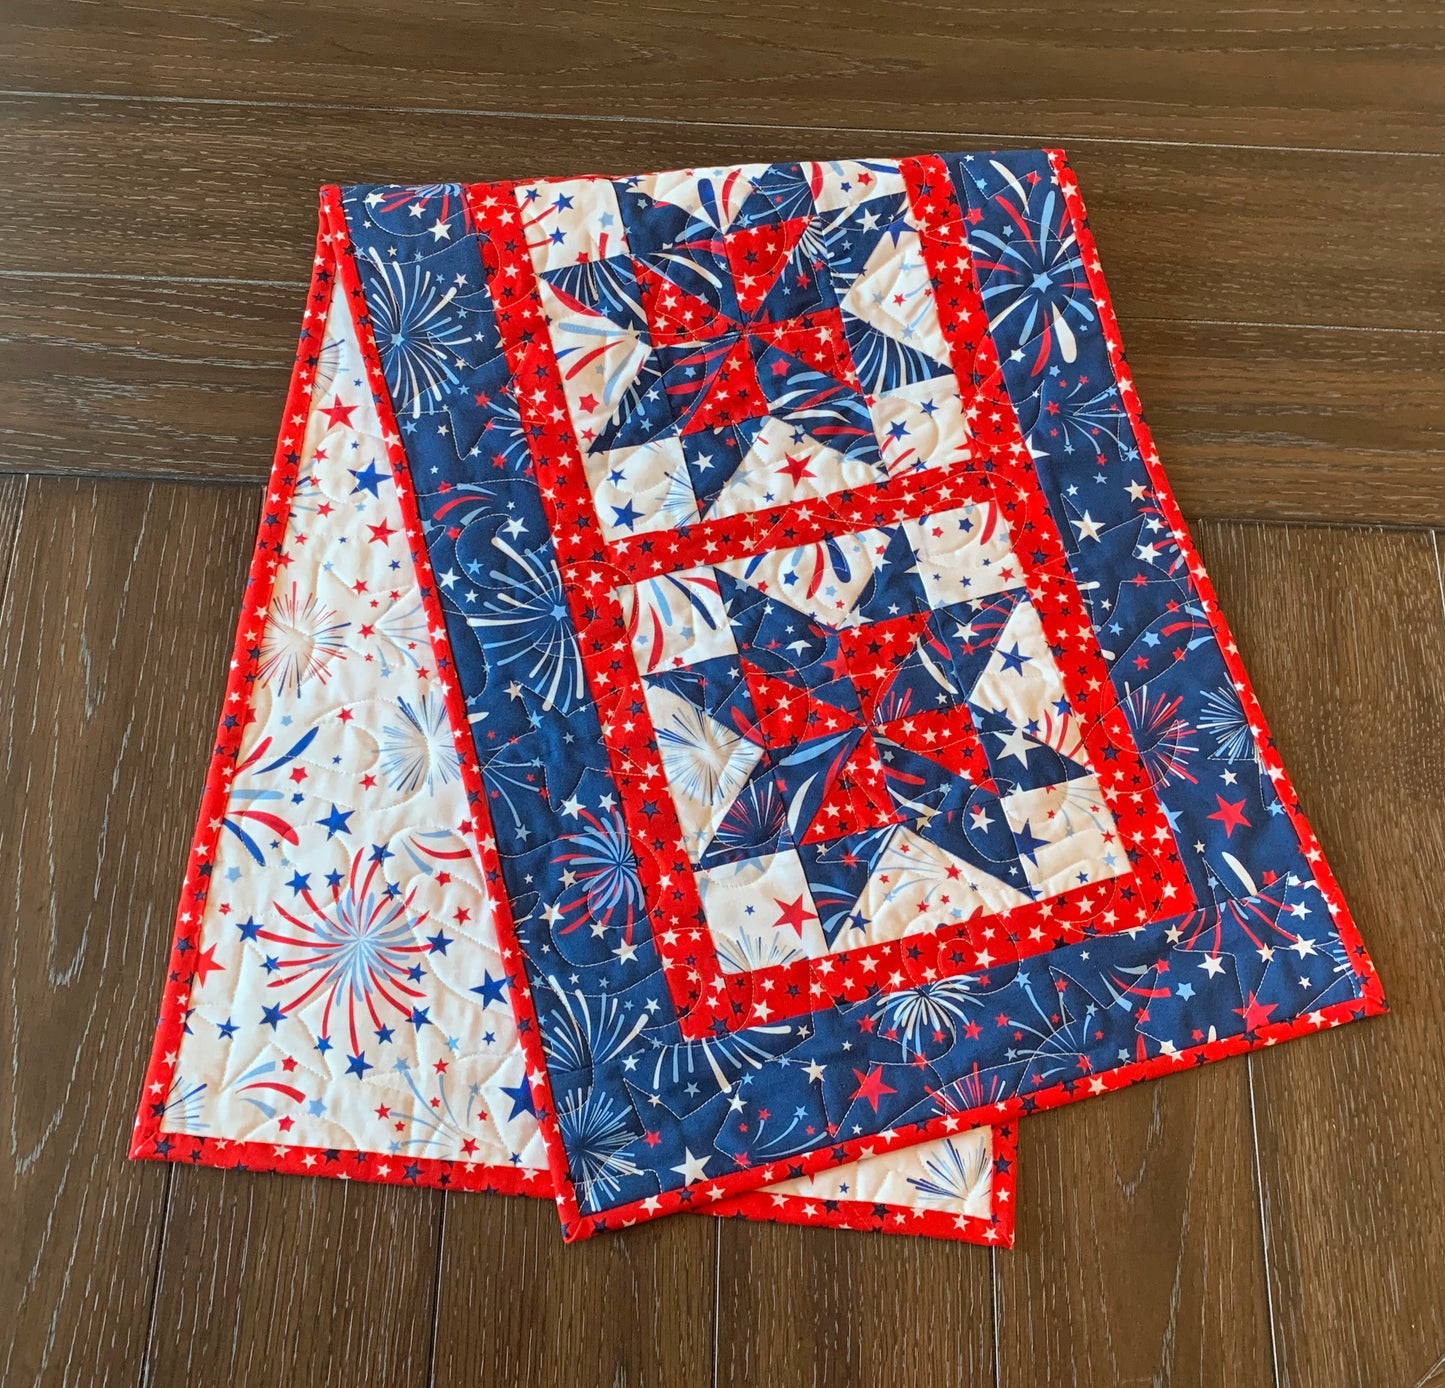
[726, 714]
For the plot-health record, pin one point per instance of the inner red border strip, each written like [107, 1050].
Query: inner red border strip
[149, 1139]
[1000, 469]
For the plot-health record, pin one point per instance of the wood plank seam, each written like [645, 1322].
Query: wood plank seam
[1439, 574]
[1263, 1223]
[993, 1255]
[436, 1304]
[1031, 136]
[155, 1289]
[12, 540]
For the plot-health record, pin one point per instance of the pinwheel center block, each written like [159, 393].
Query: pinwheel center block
[866, 738]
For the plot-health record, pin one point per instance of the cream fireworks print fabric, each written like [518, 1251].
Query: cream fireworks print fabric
[349, 993]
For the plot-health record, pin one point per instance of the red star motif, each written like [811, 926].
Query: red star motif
[793, 913]
[1255, 1013]
[338, 413]
[206, 964]
[1230, 815]
[797, 468]
[871, 1086]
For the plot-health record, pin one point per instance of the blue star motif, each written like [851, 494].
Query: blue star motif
[491, 989]
[369, 479]
[1028, 843]
[1014, 660]
[521, 1098]
[627, 515]
[337, 822]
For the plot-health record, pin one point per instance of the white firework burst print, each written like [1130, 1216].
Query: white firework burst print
[1225, 721]
[420, 332]
[525, 631]
[302, 638]
[417, 748]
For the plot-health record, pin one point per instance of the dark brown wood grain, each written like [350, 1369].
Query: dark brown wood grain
[1345, 637]
[268, 1280]
[110, 674]
[1295, 424]
[839, 1307]
[1345, 73]
[1139, 1257]
[635, 1308]
[1255, 422]
[117, 377]
[1265, 187]
[224, 190]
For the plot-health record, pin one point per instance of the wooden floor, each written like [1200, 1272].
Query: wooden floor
[1268, 189]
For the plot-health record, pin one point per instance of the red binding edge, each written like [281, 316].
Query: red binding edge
[770, 1207]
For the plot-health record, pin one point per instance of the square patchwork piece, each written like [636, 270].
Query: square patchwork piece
[853, 743]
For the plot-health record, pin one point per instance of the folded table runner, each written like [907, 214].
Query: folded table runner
[852, 742]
